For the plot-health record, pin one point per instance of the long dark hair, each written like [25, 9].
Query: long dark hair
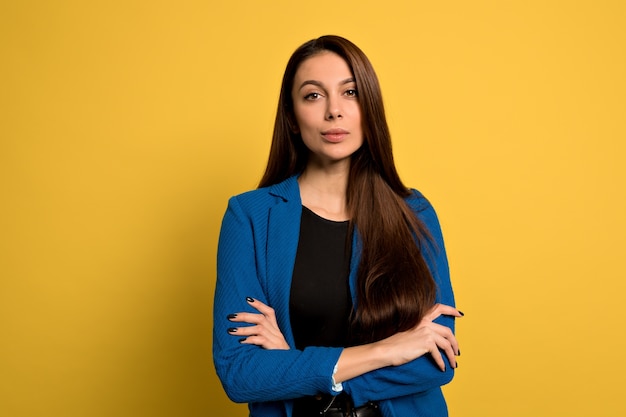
[395, 286]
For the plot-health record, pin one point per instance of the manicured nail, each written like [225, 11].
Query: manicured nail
[231, 316]
[461, 313]
[242, 340]
[232, 330]
[250, 299]
[459, 354]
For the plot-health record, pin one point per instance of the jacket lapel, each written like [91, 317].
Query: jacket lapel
[282, 243]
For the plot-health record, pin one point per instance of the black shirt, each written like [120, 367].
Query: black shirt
[320, 302]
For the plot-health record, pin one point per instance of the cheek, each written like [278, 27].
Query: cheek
[355, 112]
[303, 118]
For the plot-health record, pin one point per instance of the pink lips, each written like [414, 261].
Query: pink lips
[335, 135]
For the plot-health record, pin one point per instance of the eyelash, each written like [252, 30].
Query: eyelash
[310, 96]
[314, 96]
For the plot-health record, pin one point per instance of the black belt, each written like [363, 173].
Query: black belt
[329, 406]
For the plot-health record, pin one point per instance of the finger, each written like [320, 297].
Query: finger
[258, 305]
[243, 331]
[253, 318]
[264, 329]
[444, 344]
[263, 308]
[259, 331]
[436, 346]
[256, 319]
[446, 333]
[443, 309]
[436, 355]
[265, 342]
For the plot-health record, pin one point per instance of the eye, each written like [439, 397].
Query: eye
[351, 92]
[312, 96]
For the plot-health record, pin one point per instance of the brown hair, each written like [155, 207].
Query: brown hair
[395, 286]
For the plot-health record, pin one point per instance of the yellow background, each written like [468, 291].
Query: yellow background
[126, 125]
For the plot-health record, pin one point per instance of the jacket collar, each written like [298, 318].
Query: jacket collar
[288, 190]
[283, 235]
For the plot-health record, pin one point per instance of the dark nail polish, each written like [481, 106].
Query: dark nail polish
[250, 299]
[461, 313]
[232, 330]
[459, 354]
[242, 340]
[231, 316]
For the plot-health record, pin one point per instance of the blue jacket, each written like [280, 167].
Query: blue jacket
[256, 254]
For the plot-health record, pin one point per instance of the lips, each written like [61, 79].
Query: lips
[335, 135]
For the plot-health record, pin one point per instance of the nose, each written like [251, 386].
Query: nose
[333, 110]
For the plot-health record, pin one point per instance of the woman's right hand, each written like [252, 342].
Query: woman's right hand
[425, 337]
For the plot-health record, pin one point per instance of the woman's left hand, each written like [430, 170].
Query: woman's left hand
[264, 332]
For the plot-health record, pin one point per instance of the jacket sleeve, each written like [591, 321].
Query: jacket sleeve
[250, 373]
[421, 374]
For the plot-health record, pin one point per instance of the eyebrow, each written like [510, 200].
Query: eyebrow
[319, 84]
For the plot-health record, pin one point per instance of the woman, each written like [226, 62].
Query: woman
[333, 293]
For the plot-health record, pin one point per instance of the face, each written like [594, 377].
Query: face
[327, 109]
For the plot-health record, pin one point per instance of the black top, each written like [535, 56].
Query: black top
[320, 302]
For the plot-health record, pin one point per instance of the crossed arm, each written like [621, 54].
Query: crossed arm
[427, 337]
[262, 367]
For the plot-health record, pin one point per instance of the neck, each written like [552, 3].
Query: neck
[323, 190]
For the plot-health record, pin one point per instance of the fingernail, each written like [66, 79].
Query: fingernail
[231, 316]
[461, 313]
[242, 340]
[232, 330]
[459, 354]
[250, 299]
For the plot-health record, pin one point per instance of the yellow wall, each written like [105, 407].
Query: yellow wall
[125, 126]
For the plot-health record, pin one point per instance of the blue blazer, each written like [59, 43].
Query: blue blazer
[256, 254]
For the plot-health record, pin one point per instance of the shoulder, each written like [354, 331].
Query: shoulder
[424, 211]
[262, 199]
[417, 201]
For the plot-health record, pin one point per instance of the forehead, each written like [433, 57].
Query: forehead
[325, 66]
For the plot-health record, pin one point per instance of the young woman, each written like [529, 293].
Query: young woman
[333, 294]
